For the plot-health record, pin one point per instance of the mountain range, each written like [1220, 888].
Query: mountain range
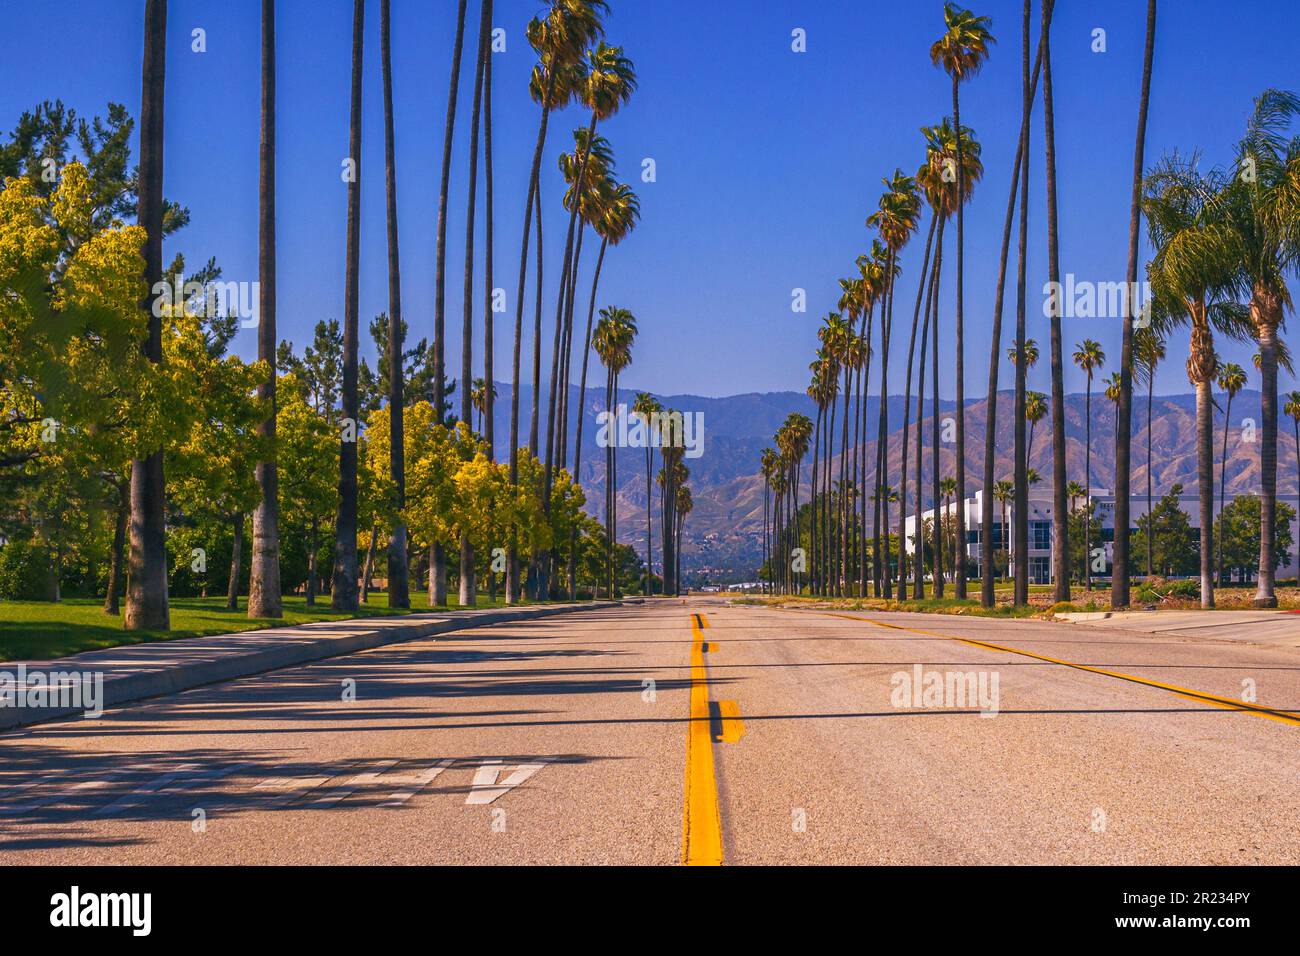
[723, 534]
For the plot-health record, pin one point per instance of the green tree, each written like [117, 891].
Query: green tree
[1240, 526]
[1166, 531]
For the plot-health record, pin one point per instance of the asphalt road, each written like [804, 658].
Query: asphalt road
[648, 735]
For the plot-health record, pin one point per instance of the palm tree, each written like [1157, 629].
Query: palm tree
[615, 217]
[481, 398]
[896, 220]
[1263, 207]
[1019, 182]
[1035, 412]
[560, 40]
[343, 594]
[1060, 526]
[1074, 491]
[1193, 276]
[1031, 354]
[1089, 357]
[1112, 394]
[1231, 379]
[398, 565]
[437, 560]
[147, 606]
[948, 489]
[609, 83]
[264, 579]
[768, 467]
[613, 342]
[1003, 492]
[871, 271]
[1292, 408]
[647, 407]
[1148, 352]
[468, 590]
[1119, 578]
[961, 51]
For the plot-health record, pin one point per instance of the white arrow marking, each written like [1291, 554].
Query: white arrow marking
[485, 788]
[415, 782]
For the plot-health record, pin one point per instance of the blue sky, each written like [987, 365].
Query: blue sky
[768, 161]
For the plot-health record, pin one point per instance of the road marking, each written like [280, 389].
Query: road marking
[63, 796]
[727, 727]
[140, 794]
[485, 788]
[415, 782]
[1226, 702]
[701, 819]
[349, 786]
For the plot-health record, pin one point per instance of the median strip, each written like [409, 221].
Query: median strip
[701, 818]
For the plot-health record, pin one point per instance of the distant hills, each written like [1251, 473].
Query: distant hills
[724, 532]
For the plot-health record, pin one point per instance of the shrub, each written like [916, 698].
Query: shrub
[24, 572]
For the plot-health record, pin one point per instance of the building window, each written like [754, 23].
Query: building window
[1040, 535]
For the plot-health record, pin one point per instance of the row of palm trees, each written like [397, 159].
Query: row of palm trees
[1224, 245]
[574, 66]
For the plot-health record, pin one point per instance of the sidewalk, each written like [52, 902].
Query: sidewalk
[1276, 628]
[137, 671]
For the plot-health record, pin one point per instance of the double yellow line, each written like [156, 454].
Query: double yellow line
[1227, 703]
[701, 818]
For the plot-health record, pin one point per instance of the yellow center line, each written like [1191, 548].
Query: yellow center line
[701, 819]
[1270, 713]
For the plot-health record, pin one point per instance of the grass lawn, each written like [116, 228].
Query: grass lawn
[41, 629]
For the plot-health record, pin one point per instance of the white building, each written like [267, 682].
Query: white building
[1040, 525]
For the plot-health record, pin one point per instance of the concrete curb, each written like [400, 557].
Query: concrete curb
[299, 648]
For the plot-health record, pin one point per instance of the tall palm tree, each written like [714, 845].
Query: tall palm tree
[437, 559]
[896, 220]
[1004, 492]
[468, 590]
[871, 270]
[1019, 183]
[609, 83]
[616, 216]
[560, 39]
[768, 467]
[1119, 578]
[147, 606]
[961, 51]
[399, 594]
[264, 579]
[1194, 276]
[647, 407]
[1263, 207]
[343, 594]
[1090, 358]
[613, 342]
[1031, 354]
[1231, 379]
[1148, 352]
[1060, 526]
[1292, 408]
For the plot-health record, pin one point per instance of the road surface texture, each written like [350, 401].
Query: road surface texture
[691, 732]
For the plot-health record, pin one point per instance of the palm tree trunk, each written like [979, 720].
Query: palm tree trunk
[534, 444]
[936, 547]
[1205, 485]
[399, 593]
[649, 532]
[147, 606]
[114, 590]
[1060, 526]
[311, 563]
[440, 268]
[343, 592]
[1087, 485]
[468, 591]
[264, 581]
[959, 345]
[1266, 309]
[816, 574]
[236, 555]
[923, 287]
[988, 593]
[512, 559]
[368, 571]
[1119, 578]
[1223, 486]
[1151, 377]
[883, 573]
[582, 408]
[918, 574]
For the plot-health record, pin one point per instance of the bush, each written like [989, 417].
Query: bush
[1063, 607]
[1189, 589]
[24, 572]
